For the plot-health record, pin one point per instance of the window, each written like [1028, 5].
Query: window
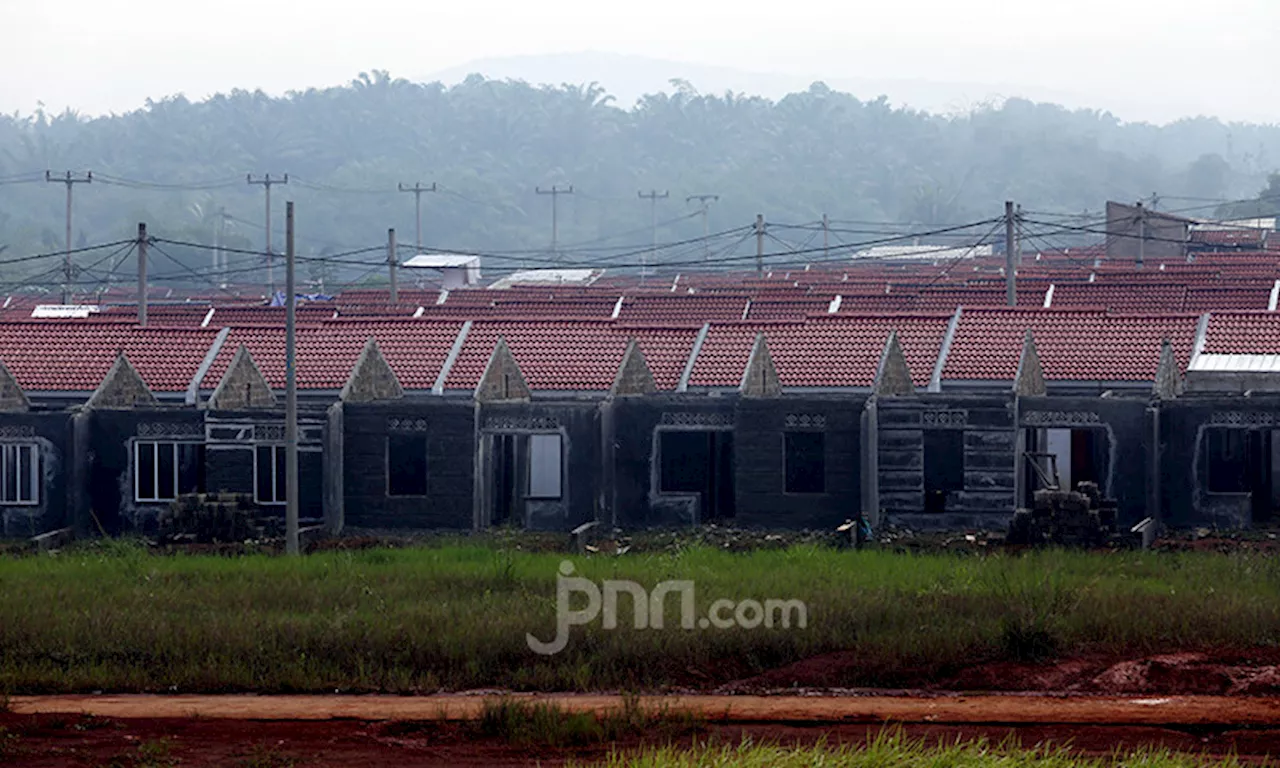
[1228, 461]
[804, 462]
[268, 474]
[21, 474]
[163, 471]
[684, 457]
[943, 460]
[544, 466]
[407, 465]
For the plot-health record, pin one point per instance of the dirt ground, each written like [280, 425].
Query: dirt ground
[438, 730]
[1224, 703]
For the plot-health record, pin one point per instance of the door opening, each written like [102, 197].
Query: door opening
[701, 462]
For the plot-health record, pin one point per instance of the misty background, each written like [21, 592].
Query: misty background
[913, 115]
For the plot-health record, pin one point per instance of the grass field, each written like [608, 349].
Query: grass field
[893, 750]
[115, 618]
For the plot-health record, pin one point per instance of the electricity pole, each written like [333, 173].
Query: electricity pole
[555, 193]
[759, 243]
[417, 189]
[266, 182]
[1142, 234]
[391, 264]
[704, 201]
[653, 196]
[826, 237]
[1010, 281]
[290, 392]
[70, 179]
[142, 273]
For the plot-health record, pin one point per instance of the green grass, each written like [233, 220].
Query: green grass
[517, 721]
[893, 750]
[455, 617]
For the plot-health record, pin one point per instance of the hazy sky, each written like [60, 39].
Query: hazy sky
[1142, 59]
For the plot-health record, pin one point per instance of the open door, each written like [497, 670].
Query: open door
[699, 462]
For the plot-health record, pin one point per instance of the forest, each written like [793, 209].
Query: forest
[488, 146]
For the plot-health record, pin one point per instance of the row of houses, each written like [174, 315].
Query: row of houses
[811, 432]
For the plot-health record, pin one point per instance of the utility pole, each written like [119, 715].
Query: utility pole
[555, 193]
[653, 196]
[391, 264]
[219, 233]
[417, 189]
[290, 392]
[759, 242]
[1017, 242]
[142, 273]
[1142, 234]
[705, 201]
[826, 237]
[1010, 279]
[70, 179]
[266, 182]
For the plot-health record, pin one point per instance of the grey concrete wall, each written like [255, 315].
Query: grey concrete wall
[578, 424]
[1185, 498]
[762, 500]
[50, 433]
[636, 421]
[111, 436]
[449, 427]
[987, 424]
[1125, 428]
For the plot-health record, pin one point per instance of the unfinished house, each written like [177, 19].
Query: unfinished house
[1219, 451]
[35, 474]
[801, 392]
[405, 457]
[537, 457]
[1084, 407]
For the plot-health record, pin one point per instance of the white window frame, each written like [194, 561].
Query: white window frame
[9, 462]
[551, 456]
[156, 498]
[277, 482]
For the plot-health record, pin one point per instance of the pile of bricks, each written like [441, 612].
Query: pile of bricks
[217, 518]
[1079, 518]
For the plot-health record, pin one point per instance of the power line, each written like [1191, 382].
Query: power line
[555, 193]
[266, 182]
[417, 189]
[70, 180]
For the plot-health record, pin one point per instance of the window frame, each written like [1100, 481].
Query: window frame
[560, 465]
[426, 467]
[277, 491]
[959, 478]
[9, 455]
[174, 446]
[1227, 449]
[786, 434]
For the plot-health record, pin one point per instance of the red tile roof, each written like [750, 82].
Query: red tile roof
[1074, 345]
[415, 350]
[63, 357]
[1243, 333]
[571, 355]
[830, 351]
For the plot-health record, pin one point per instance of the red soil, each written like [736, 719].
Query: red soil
[408, 731]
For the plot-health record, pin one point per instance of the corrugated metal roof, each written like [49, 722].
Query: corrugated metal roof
[1236, 363]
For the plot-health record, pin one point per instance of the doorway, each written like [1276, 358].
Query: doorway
[699, 462]
[1247, 461]
[523, 467]
[1078, 455]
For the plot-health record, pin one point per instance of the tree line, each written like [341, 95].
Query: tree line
[180, 165]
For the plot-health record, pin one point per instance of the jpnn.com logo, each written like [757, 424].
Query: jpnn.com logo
[602, 601]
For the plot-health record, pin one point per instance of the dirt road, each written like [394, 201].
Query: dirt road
[960, 709]
[355, 731]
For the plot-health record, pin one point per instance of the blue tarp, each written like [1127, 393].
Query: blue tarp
[277, 300]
